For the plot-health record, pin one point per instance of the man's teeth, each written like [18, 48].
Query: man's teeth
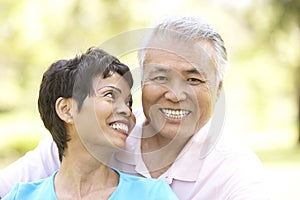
[120, 126]
[178, 114]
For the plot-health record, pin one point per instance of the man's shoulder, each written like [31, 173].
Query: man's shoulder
[232, 167]
[236, 159]
[240, 170]
[232, 148]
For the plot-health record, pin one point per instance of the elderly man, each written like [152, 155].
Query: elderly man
[177, 136]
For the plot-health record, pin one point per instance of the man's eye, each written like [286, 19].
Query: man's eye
[195, 81]
[160, 79]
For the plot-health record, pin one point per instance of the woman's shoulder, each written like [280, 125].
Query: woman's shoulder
[32, 190]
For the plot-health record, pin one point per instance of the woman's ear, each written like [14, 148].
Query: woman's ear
[63, 107]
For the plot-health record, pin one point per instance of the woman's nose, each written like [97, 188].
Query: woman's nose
[123, 109]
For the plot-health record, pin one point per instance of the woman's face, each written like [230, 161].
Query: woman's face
[105, 119]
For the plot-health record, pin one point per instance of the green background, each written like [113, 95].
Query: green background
[261, 87]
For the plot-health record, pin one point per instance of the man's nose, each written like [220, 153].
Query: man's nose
[176, 92]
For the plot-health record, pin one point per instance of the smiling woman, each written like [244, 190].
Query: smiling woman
[108, 116]
[85, 103]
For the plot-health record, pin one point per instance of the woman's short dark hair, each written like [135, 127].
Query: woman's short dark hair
[73, 78]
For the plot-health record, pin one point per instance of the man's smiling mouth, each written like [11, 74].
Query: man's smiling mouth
[175, 113]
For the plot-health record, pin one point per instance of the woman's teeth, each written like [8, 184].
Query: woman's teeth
[120, 126]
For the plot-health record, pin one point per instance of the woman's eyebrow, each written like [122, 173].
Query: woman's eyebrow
[110, 86]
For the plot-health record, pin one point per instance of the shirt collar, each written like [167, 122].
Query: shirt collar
[132, 155]
[189, 162]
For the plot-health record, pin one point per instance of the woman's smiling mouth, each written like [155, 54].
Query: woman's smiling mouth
[119, 126]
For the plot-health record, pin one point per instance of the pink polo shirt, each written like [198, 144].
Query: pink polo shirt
[203, 170]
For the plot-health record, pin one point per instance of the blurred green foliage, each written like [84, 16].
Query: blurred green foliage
[262, 87]
[19, 145]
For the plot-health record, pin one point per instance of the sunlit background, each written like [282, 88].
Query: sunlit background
[262, 86]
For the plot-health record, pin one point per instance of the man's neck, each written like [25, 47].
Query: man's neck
[159, 153]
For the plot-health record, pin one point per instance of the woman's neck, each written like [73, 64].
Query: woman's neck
[83, 176]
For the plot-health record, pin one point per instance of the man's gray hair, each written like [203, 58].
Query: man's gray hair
[189, 28]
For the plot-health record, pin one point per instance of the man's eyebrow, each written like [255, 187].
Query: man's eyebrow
[157, 69]
[192, 71]
[195, 71]
[110, 86]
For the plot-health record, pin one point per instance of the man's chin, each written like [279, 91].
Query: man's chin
[175, 132]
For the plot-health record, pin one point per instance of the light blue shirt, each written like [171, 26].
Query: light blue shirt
[130, 187]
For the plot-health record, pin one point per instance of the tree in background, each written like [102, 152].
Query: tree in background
[281, 26]
[34, 33]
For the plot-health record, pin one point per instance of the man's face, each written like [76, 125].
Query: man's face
[179, 89]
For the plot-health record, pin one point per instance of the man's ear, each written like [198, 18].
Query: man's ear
[63, 107]
[219, 89]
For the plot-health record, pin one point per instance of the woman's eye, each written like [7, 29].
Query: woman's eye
[129, 104]
[110, 95]
[129, 101]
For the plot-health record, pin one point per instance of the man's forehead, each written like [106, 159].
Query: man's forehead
[161, 59]
[191, 53]
[181, 46]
